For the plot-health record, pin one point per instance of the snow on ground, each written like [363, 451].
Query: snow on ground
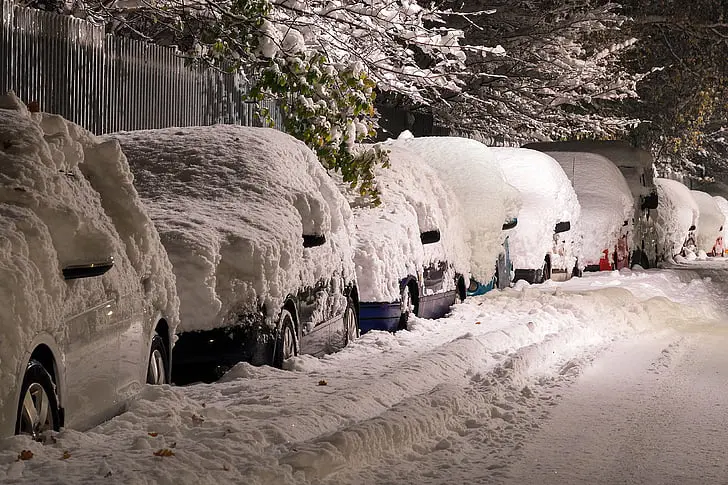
[428, 405]
[548, 198]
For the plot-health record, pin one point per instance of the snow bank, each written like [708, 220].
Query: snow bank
[710, 223]
[231, 204]
[487, 201]
[677, 211]
[605, 199]
[548, 198]
[67, 199]
[388, 247]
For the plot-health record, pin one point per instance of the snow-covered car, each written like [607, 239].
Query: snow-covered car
[87, 296]
[258, 235]
[542, 246]
[636, 165]
[723, 206]
[489, 204]
[409, 251]
[709, 234]
[604, 229]
[677, 219]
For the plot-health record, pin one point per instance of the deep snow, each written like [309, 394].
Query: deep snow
[449, 401]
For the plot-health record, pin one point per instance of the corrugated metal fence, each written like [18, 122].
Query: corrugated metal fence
[107, 83]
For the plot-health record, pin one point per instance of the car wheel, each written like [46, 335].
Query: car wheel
[286, 345]
[38, 406]
[351, 323]
[157, 368]
[406, 307]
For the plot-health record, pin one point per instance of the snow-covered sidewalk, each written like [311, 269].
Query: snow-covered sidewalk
[389, 404]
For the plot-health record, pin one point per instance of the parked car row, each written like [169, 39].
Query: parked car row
[170, 255]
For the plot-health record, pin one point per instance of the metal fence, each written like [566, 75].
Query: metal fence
[106, 83]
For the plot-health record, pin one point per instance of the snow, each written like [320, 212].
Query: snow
[450, 400]
[723, 206]
[387, 244]
[67, 199]
[677, 211]
[470, 171]
[605, 199]
[231, 204]
[548, 198]
[710, 223]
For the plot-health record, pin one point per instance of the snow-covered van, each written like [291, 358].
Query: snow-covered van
[489, 204]
[709, 235]
[258, 235]
[636, 165]
[542, 245]
[604, 229]
[677, 219]
[88, 306]
[409, 251]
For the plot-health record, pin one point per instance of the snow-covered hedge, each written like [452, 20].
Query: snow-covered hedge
[67, 198]
[710, 221]
[677, 211]
[387, 238]
[486, 200]
[605, 199]
[548, 198]
[232, 204]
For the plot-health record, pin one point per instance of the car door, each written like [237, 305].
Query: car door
[92, 349]
[134, 327]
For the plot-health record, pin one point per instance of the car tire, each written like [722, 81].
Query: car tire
[157, 371]
[351, 323]
[546, 271]
[38, 406]
[406, 307]
[286, 345]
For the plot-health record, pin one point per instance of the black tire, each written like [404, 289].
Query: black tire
[351, 323]
[286, 345]
[39, 413]
[158, 364]
[546, 271]
[462, 292]
[407, 306]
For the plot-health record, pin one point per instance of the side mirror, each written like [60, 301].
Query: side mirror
[562, 227]
[87, 270]
[649, 202]
[313, 240]
[509, 224]
[429, 237]
[692, 228]
[625, 223]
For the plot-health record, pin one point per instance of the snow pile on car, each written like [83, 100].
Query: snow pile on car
[723, 206]
[677, 211]
[710, 223]
[388, 247]
[232, 205]
[548, 198]
[486, 199]
[67, 198]
[604, 197]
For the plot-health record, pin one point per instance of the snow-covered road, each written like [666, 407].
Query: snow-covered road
[594, 380]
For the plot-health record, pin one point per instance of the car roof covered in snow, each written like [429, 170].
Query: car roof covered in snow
[232, 205]
[548, 198]
[471, 172]
[388, 246]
